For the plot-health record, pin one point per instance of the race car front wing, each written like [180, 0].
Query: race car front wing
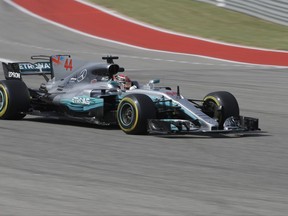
[179, 126]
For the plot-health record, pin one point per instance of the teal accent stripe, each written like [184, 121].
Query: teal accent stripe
[82, 103]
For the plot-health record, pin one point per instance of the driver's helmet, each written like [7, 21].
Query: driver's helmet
[123, 80]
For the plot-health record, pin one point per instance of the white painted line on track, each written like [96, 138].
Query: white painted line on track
[59, 51]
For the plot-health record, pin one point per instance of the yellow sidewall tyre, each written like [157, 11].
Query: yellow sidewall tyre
[133, 113]
[14, 99]
[3, 100]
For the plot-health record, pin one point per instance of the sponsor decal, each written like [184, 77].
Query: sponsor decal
[82, 103]
[81, 76]
[42, 66]
[81, 100]
[14, 75]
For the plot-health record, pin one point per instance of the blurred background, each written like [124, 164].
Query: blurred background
[252, 23]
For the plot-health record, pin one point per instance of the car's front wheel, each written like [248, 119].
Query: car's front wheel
[14, 99]
[133, 113]
[220, 105]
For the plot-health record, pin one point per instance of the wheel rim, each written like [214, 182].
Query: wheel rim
[2, 100]
[127, 114]
[213, 108]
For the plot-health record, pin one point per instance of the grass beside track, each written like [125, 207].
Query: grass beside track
[203, 20]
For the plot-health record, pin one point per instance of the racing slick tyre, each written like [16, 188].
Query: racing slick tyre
[133, 112]
[14, 99]
[220, 105]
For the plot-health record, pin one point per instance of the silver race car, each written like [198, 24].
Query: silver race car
[99, 93]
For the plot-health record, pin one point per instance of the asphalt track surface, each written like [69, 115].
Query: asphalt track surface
[97, 22]
[50, 167]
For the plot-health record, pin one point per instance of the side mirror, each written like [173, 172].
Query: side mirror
[152, 82]
[155, 81]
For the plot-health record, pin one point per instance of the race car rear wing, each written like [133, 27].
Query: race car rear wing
[58, 66]
[15, 70]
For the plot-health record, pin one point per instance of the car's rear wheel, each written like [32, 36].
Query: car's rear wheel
[220, 105]
[133, 113]
[14, 99]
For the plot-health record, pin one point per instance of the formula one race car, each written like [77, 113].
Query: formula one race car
[97, 93]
